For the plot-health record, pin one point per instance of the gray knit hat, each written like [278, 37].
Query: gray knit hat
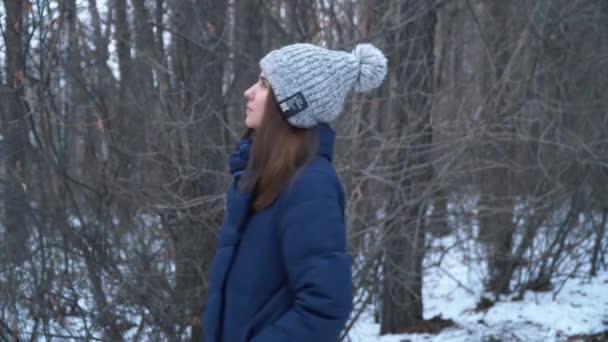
[310, 82]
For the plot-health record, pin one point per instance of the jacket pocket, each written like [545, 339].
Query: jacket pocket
[271, 311]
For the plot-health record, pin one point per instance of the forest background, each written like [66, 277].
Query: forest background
[118, 116]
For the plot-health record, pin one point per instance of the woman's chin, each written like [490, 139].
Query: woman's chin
[249, 124]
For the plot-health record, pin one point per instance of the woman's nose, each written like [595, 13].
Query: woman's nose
[247, 94]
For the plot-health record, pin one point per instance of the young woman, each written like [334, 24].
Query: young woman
[281, 271]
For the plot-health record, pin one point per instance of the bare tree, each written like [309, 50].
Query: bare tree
[15, 122]
[117, 121]
[411, 50]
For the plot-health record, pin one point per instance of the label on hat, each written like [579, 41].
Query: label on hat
[293, 105]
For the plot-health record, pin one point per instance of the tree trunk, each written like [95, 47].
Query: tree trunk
[496, 228]
[597, 247]
[16, 137]
[412, 48]
[122, 36]
[247, 50]
[198, 57]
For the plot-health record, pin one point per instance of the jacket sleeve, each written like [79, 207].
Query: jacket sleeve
[318, 267]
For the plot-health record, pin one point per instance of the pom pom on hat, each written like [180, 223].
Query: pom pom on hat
[372, 67]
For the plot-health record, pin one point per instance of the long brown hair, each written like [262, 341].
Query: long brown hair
[278, 151]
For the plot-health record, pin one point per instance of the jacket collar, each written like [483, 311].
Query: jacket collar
[239, 157]
[326, 138]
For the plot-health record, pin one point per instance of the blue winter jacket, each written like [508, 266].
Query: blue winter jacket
[287, 276]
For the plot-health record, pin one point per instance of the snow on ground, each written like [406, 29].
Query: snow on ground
[453, 289]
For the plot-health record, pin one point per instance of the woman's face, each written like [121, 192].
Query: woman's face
[256, 97]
